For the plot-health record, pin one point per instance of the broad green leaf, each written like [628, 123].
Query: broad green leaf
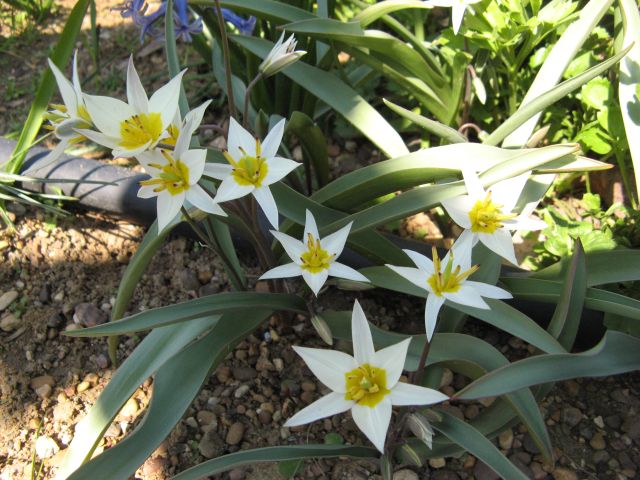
[189, 369]
[153, 352]
[377, 10]
[274, 454]
[566, 317]
[313, 143]
[59, 56]
[478, 445]
[629, 80]
[270, 10]
[341, 97]
[557, 61]
[602, 267]
[540, 102]
[199, 307]
[615, 353]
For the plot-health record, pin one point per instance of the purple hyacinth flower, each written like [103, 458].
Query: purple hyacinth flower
[244, 25]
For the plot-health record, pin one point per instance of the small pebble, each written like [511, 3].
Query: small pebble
[7, 299]
[437, 462]
[235, 433]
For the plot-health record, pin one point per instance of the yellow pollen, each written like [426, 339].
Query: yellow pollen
[248, 170]
[173, 177]
[173, 132]
[366, 385]
[449, 280]
[316, 258]
[486, 216]
[140, 129]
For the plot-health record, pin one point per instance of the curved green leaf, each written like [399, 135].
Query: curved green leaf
[615, 353]
[199, 307]
[341, 97]
[273, 454]
[377, 10]
[314, 144]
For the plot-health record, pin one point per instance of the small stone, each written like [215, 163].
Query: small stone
[529, 445]
[562, 473]
[191, 422]
[597, 442]
[445, 475]
[55, 321]
[472, 411]
[613, 421]
[262, 286]
[9, 322]
[211, 445]
[405, 474]
[244, 373]
[237, 474]
[83, 386]
[308, 386]
[46, 447]
[483, 472]
[88, 315]
[599, 421]
[102, 361]
[437, 462]
[572, 387]
[538, 471]
[44, 295]
[154, 467]
[189, 280]
[223, 374]
[264, 417]
[307, 397]
[522, 461]
[505, 439]
[205, 417]
[571, 416]
[73, 326]
[7, 299]
[631, 427]
[42, 380]
[208, 289]
[205, 276]
[601, 456]
[235, 433]
[447, 378]
[278, 364]
[63, 411]
[241, 391]
[130, 409]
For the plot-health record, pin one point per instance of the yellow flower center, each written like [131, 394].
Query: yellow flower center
[173, 177]
[366, 385]
[249, 170]
[486, 216]
[139, 129]
[316, 258]
[449, 280]
[173, 132]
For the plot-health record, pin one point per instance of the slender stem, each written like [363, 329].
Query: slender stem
[195, 227]
[247, 98]
[419, 373]
[227, 59]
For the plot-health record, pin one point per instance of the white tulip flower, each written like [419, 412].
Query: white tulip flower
[69, 116]
[448, 283]
[488, 214]
[282, 55]
[175, 175]
[253, 166]
[458, 7]
[134, 127]
[315, 260]
[367, 383]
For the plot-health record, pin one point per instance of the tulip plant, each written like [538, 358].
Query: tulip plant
[388, 381]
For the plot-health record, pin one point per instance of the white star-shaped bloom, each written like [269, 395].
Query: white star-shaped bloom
[253, 166]
[367, 383]
[314, 258]
[447, 279]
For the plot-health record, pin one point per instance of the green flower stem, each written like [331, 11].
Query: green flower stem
[227, 59]
[247, 98]
[419, 373]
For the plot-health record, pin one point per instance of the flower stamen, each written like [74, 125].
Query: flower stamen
[316, 258]
[486, 216]
[366, 385]
[449, 280]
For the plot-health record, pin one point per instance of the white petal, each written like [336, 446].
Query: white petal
[330, 366]
[201, 199]
[288, 270]
[487, 290]
[120, 151]
[525, 223]
[194, 160]
[467, 295]
[341, 270]
[457, 13]
[315, 280]
[65, 87]
[151, 157]
[334, 243]
[326, 406]
[374, 422]
[361, 336]
[462, 249]
[406, 394]
[230, 190]
[240, 138]
[99, 138]
[267, 203]
[293, 247]
[474, 187]
[310, 226]
[434, 303]
[165, 100]
[392, 360]
[75, 78]
[507, 192]
[52, 156]
[196, 115]
[147, 191]
[278, 168]
[217, 170]
[107, 113]
[136, 96]
[418, 277]
[272, 141]
[168, 208]
[458, 209]
[421, 261]
[501, 243]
